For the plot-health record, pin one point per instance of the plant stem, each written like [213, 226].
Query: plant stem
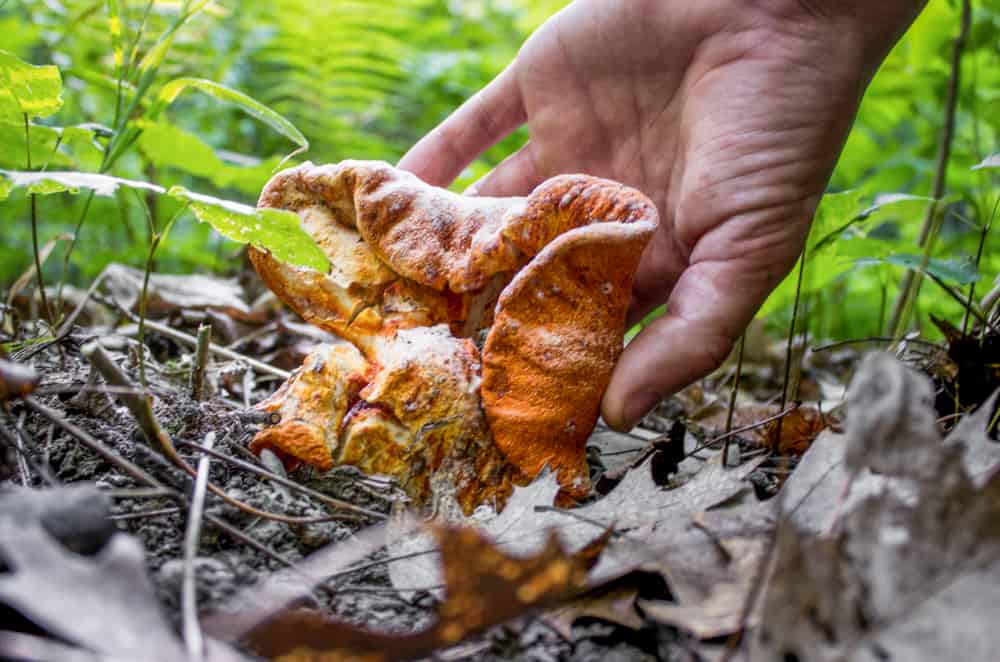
[200, 361]
[46, 311]
[153, 244]
[790, 346]
[909, 288]
[732, 396]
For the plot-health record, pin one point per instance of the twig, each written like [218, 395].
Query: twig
[159, 512]
[910, 285]
[732, 397]
[971, 308]
[790, 346]
[141, 476]
[260, 471]
[128, 468]
[141, 408]
[14, 443]
[979, 257]
[200, 362]
[746, 428]
[67, 324]
[193, 640]
[218, 350]
[856, 341]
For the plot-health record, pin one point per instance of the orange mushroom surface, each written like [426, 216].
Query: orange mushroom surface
[480, 332]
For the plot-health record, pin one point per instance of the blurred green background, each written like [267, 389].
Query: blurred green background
[365, 79]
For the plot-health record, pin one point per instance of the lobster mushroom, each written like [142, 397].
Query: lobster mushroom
[479, 334]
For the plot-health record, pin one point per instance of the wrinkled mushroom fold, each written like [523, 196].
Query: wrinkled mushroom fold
[418, 275]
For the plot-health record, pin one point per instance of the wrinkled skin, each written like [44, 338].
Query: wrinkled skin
[730, 115]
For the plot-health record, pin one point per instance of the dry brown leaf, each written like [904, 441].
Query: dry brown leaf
[889, 547]
[418, 274]
[798, 429]
[485, 586]
[169, 293]
[616, 605]
[16, 379]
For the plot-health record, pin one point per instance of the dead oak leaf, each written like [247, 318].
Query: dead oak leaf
[890, 548]
[484, 587]
[644, 516]
[103, 603]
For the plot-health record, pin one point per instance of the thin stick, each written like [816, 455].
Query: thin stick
[281, 480]
[790, 346]
[128, 468]
[972, 308]
[194, 642]
[200, 362]
[13, 442]
[856, 341]
[910, 285]
[732, 397]
[979, 257]
[141, 408]
[46, 311]
[67, 324]
[141, 476]
[159, 512]
[218, 350]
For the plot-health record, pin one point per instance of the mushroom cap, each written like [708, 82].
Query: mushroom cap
[553, 344]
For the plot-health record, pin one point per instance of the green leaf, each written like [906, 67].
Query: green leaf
[246, 103]
[154, 57]
[67, 182]
[991, 161]
[956, 270]
[167, 146]
[27, 90]
[272, 229]
[170, 147]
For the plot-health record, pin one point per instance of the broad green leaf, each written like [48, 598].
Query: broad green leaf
[51, 147]
[835, 213]
[246, 103]
[272, 229]
[67, 182]
[27, 90]
[955, 270]
[991, 161]
[168, 146]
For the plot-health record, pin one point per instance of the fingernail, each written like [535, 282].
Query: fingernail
[638, 405]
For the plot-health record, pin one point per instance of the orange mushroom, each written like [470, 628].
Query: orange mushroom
[418, 276]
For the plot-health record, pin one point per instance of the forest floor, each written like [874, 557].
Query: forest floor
[666, 605]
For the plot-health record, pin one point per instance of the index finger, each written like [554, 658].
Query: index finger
[491, 114]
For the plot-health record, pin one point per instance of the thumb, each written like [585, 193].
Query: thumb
[708, 309]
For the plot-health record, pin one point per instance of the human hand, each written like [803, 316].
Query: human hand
[729, 115]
